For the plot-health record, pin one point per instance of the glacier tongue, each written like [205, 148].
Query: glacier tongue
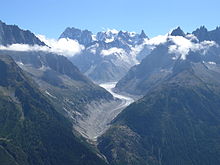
[100, 114]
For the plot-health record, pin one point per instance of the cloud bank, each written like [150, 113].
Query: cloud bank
[181, 46]
[63, 46]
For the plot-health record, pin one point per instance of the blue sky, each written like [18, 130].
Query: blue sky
[51, 17]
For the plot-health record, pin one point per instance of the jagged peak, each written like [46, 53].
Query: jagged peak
[1, 22]
[16, 35]
[77, 30]
[217, 28]
[143, 34]
[201, 29]
[178, 32]
[72, 28]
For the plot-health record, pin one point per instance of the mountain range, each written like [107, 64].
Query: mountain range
[51, 113]
[177, 120]
[159, 64]
[56, 96]
[108, 55]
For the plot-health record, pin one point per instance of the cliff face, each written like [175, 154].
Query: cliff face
[12, 34]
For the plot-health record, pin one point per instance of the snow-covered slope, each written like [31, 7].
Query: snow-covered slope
[168, 50]
[108, 55]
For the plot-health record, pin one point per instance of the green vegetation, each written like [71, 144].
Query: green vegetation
[32, 132]
[68, 89]
[178, 122]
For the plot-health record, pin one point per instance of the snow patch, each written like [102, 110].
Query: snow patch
[108, 40]
[94, 37]
[20, 63]
[50, 94]
[111, 51]
[211, 63]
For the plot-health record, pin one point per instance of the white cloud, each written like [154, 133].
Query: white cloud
[182, 46]
[149, 44]
[112, 31]
[156, 40]
[24, 47]
[142, 47]
[192, 37]
[66, 47]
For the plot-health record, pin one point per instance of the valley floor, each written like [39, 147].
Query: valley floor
[101, 114]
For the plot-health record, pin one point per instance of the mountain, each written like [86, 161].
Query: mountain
[50, 110]
[203, 34]
[177, 32]
[108, 55]
[32, 132]
[176, 122]
[154, 68]
[69, 90]
[72, 94]
[143, 35]
[159, 64]
[84, 37]
[12, 34]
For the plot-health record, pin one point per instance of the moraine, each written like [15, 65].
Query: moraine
[98, 121]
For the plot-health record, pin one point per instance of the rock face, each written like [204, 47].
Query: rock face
[176, 122]
[84, 37]
[153, 69]
[12, 34]
[178, 32]
[203, 34]
[107, 55]
[69, 90]
[32, 132]
[159, 64]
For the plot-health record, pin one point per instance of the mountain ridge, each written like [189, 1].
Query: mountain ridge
[12, 34]
[31, 127]
[175, 122]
